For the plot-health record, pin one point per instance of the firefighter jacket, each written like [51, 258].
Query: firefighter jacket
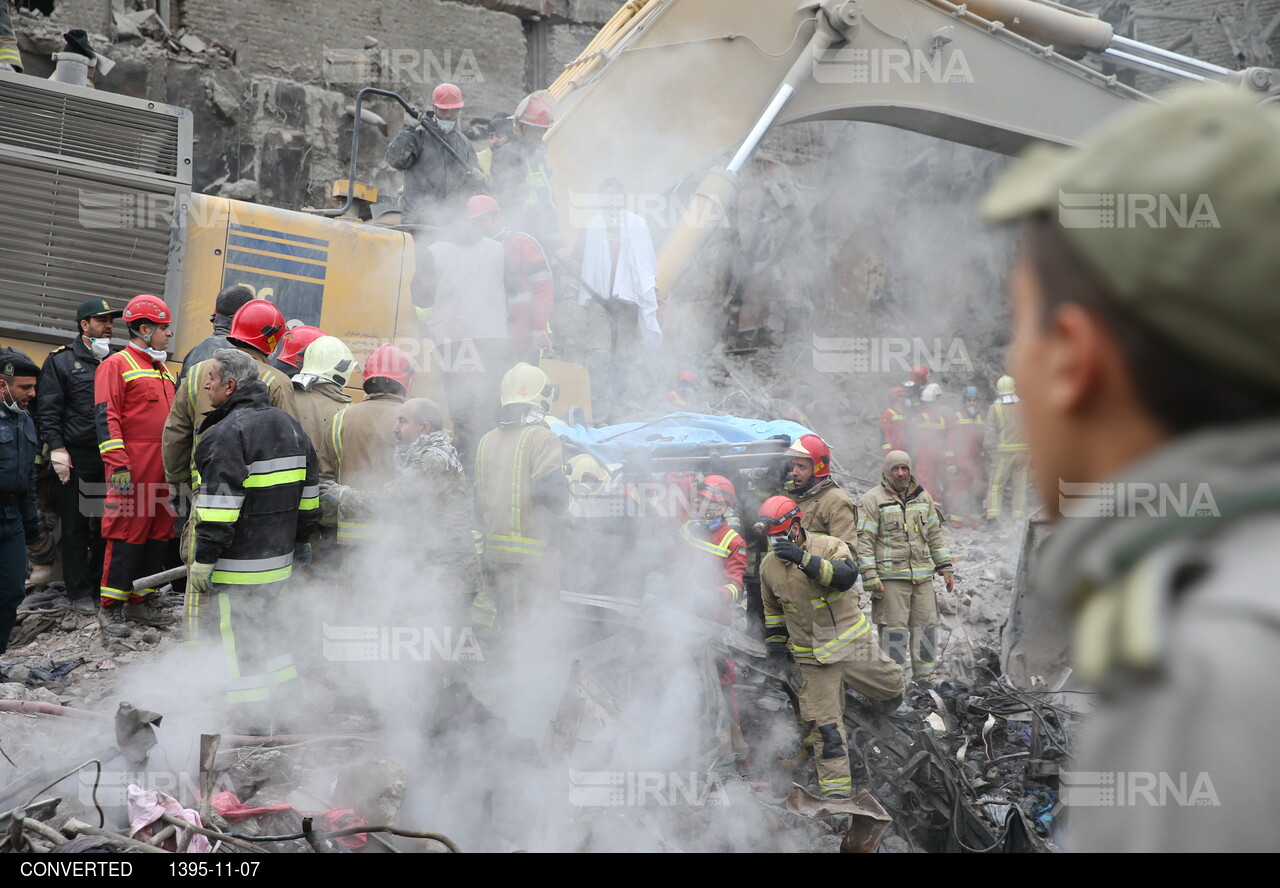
[965, 439]
[724, 557]
[1004, 428]
[900, 537]
[181, 435]
[826, 508]
[531, 288]
[359, 447]
[520, 491]
[436, 171]
[317, 406]
[894, 430]
[816, 615]
[64, 411]
[18, 449]
[133, 394]
[259, 490]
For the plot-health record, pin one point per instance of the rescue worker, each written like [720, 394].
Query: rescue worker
[826, 508]
[10, 58]
[1006, 441]
[928, 436]
[901, 546]
[132, 395]
[965, 482]
[440, 165]
[521, 176]
[64, 415]
[361, 441]
[499, 132]
[530, 285]
[619, 289]
[318, 395]
[801, 405]
[895, 423]
[257, 505]
[1147, 356]
[708, 531]
[680, 396]
[804, 581]
[916, 380]
[255, 329]
[228, 302]
[19, 525]
[293, 348]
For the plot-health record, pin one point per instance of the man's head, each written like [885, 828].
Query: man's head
[613, 196]
[896, 473]
[446, 102]
[230, 301]
[388, 370]
[716, 497]
[17, 379]
[1165, 321]
[900, 396]
[485, 213]
[94, 317]
[971, 399]
[149, 320]
[229, 371]
[778, 518]
[811, 459]
[500, 131]
[416, 417]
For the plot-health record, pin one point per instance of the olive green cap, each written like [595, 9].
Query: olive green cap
[1175, 206]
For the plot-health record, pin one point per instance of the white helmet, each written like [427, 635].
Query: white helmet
[329, 358]
[932, 392]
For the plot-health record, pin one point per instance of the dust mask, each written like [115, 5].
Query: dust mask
[973, 411]
[446, 126]
[10, 405]
[100, 347]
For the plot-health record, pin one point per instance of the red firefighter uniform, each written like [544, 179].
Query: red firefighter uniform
[724, 557]
[133, 393]
[894, 430]
[930, 456]
[965, 488]
[531, 292]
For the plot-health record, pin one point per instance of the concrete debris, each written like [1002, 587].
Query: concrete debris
[192, 43]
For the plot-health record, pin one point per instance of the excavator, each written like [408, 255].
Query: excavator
[672, 96]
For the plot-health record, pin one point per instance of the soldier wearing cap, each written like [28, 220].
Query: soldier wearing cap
[18, 448]
[64, 416]
[1147, 351]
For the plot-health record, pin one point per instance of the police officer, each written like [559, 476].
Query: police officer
[64, 415]
[18, 525]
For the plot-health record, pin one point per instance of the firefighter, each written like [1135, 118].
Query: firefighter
[19, 525]
[440, 165]
[133, 392]
[10, 58]
[293, 348]
[361, 441]
[1006, 443]
[808, 613]
[900, 547]
[801, 405]
[258, 503]
[64, 414]
[916, 380]
[520, 491]
[928, 435]
[1147, 355]
[708, 531]
[965, 481]
[530, 285]
[499, 132]
[521, 176]
[318, 394]
[255, 329]
[895, 423]
[681, 394]
[827, 509]
[225, 306]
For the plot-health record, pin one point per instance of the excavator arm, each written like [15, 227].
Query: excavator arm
[674, 96]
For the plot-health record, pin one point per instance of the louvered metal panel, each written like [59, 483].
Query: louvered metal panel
[93, 190]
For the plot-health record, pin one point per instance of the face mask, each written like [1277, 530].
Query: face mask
[157, 355]
[100, 347]
[973, 411]
[713, 521]
[11, 406]
[446, 126]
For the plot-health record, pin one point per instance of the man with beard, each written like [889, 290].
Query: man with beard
[826, 507]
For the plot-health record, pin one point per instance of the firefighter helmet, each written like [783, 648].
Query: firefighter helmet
[971, 391]
[718, 489]
[932, 392]
[1005, 386]
[482, 205]
[389, 362]
[526, 384]
[586, 474]
[687, 377]
[257, 324]
[899, 391]
[814, 448]
[446, 96]
[776, 516]
[537, 109]
[919, 374]
[329, 358]
[296, 341]
[147, 308]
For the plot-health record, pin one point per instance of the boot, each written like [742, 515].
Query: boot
[145, 611]
[112, 620]
[85, 607]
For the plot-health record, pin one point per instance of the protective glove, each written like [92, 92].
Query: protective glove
[949, 578]
[872, 585]
[302, 555]
[200, 578]
[331, 494]
[61, 464]
[787, 551]
[122, 480]
[5, 66]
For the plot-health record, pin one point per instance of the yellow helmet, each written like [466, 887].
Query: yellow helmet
[586, 474]
[1004, 386]
[329, 358]
[526, 384]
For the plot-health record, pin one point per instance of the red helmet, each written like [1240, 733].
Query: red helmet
[482, 205]
[899, 391]
[776, 516]
[718, 489]
[537, 109]
[814, 448]
[919, 374]
[687, 377]
[296, 341]
[147, 308]
[388, 362]
[446, 96]
[257, 324]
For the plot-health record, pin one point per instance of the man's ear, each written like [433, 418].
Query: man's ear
[1077, 351]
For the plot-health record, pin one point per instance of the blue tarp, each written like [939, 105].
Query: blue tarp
[675, 435]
